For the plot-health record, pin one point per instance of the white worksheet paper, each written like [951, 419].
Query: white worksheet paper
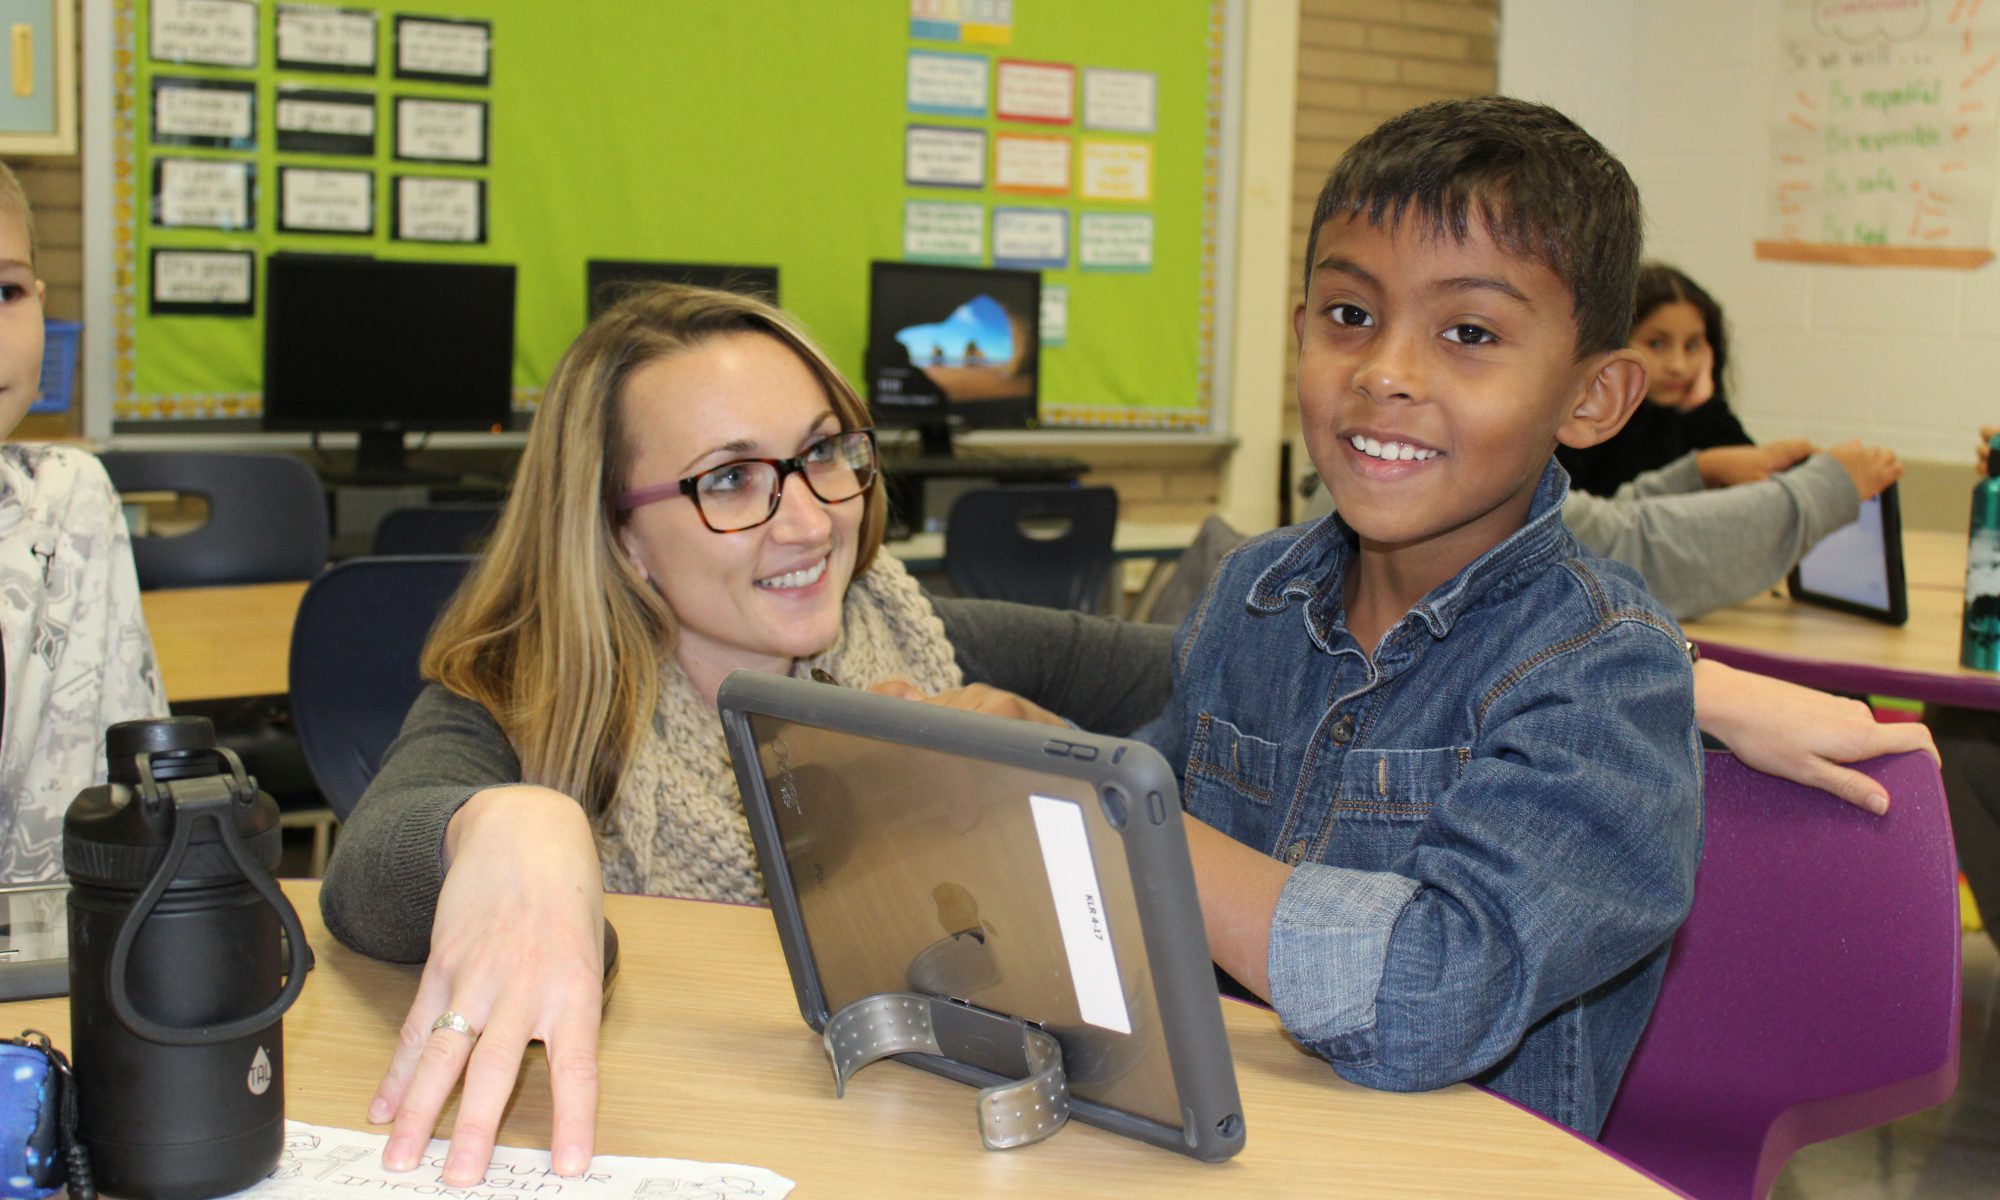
[324, 1163]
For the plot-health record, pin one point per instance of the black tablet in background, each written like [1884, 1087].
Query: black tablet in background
[1858, 568]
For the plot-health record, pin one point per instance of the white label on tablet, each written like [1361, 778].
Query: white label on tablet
[1093, 967]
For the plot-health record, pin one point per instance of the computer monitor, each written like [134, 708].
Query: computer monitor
[609, 279]
[380, 347]
[952, 348]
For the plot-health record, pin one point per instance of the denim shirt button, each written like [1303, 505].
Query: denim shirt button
[1342, 730]
[1295, 852]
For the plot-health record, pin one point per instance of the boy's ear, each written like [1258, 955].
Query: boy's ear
[1298, 324]
[1613, 389]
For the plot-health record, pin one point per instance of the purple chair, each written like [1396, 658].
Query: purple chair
[1813, 991]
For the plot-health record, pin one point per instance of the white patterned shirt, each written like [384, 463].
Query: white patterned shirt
[78, 655]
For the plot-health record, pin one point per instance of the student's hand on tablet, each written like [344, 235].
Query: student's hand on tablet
[973, 697]
[1986, 435]
[516, 954]
[1725, 466]
[1872, 468]
[1799, 734]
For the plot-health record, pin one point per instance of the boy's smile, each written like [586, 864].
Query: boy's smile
[1435, 379]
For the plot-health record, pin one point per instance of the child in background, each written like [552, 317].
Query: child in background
[1440, 761]
[77, 654]
[1678, 330]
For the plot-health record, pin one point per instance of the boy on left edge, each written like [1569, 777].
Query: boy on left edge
[78, 656]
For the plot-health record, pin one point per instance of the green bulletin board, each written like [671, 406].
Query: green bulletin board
[752, 131]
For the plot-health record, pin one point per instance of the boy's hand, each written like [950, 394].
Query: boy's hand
[1986, 435]
[1799, 734]
[1724, 466]
[973, 697]
[1872, 468]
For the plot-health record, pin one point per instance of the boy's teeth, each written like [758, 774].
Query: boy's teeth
[795, 579]
[1390, 451]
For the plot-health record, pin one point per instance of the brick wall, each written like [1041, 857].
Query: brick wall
[1359, 62]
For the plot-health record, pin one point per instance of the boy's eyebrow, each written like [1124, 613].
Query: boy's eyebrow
[10, 263]
[1462, 283]
[1469, 283]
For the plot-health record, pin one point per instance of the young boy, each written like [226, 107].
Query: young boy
[78, 657]
[1442, 761]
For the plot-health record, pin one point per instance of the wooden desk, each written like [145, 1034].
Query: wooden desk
[221, 643]
[704, 1057]
[1817, 647]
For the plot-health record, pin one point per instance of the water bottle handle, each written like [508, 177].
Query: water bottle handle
[215, 804]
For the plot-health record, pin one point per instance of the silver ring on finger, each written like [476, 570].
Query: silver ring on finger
[454, 1022]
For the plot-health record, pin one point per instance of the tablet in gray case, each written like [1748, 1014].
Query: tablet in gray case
[1022, 869]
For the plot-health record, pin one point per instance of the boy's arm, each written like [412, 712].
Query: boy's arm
[1563, 856]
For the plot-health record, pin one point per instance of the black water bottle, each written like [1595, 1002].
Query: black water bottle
[178, 967]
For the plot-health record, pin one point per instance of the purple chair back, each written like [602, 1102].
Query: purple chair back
[1813, 990]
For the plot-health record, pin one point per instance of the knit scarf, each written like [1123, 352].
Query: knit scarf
[678, 827]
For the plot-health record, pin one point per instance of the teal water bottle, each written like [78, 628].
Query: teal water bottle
[1979, 645]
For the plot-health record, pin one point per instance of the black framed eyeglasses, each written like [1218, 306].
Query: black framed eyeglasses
[744, 494]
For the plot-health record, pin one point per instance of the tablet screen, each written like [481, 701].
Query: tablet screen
[1852, 563]
[1858, 568]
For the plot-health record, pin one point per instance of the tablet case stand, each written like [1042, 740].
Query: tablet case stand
[1010, 1114]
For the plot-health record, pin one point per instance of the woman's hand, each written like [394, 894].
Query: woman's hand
[1799, 734]
[517, 950]
[1872, 468]
[1726, 466]
[1986, 435]
[973, 697]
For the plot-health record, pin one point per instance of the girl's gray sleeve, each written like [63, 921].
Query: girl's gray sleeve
[1712, 548]
[1677, 478]
[382, 883]
[1107, 675]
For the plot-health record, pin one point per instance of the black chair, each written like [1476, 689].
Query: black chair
[360, 630]
[267, 517]
[1034, 545]
[436, 529]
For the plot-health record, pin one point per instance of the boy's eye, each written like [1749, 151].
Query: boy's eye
[1348, 314]
[10, 292]
[1470, 335]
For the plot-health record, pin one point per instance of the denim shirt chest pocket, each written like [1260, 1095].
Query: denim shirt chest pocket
[1231, 781]
[1384, 798]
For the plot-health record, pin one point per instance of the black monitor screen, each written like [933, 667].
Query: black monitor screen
[953, 345]
[366, 344]
[609, 279]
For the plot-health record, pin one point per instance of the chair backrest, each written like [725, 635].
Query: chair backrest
[1813, 991]
[1034, 545]
[360, 630]
[436, 529]
[267, 517]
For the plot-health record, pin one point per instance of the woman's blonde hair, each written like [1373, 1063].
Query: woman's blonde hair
[555, 632]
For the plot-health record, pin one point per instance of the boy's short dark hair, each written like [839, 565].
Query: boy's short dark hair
[1543, 188]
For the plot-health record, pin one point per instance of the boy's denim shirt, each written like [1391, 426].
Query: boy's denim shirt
[1495, 825]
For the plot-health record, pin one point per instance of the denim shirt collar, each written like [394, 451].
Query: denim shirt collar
[1313, 568]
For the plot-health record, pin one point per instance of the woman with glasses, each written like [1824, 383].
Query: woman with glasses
[699, 494]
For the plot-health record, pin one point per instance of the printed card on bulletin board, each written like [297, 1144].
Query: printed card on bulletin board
[325, 121]
[444, 51]
[203, 283]
[214, 33]
[314, 200]
[317, 37]
[441, 131]
[438, 210]
[196, 193]
[218, 113]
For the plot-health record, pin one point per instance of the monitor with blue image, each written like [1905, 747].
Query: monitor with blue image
[953, 348]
